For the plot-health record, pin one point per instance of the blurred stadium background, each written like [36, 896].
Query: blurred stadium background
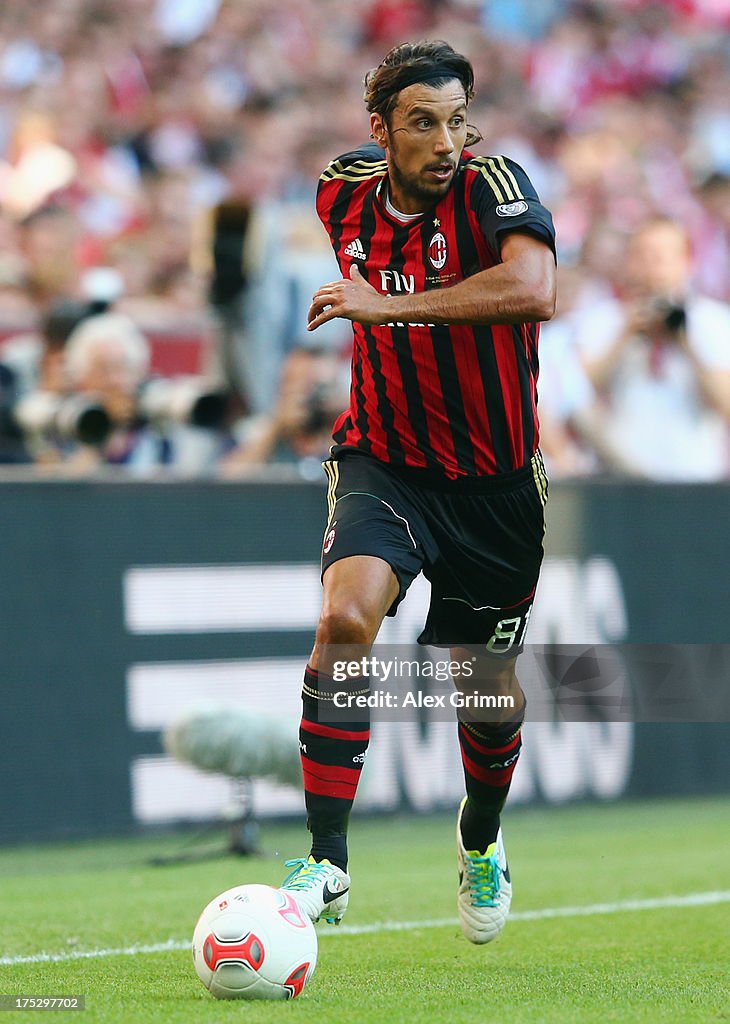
[158, 160]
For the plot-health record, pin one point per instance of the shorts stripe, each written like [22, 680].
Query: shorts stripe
[333, 476]
[540, 476]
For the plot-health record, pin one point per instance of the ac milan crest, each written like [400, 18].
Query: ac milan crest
[437, 251]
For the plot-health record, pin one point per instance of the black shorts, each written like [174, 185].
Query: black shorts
[478, 541]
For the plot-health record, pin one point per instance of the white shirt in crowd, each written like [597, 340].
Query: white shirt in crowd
[657, 416]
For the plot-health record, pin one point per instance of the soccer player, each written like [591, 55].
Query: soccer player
[448, 266]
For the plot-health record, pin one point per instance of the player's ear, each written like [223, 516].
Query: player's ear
[377, 130]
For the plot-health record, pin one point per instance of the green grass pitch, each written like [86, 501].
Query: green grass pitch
[668, 964]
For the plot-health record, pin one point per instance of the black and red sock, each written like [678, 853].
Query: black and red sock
[489, 754]
[333, 755]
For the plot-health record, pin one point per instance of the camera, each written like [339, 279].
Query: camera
[319, 410]
[69, 417]
[188, 400]
[230, 227]
[673, 316]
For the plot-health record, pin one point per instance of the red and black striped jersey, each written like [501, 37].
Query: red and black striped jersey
[454, 398]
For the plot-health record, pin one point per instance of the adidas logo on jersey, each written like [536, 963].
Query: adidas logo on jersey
[355, 250]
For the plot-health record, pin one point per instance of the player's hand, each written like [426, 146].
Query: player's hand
[352, 299]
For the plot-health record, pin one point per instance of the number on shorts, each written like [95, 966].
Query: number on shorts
[503, 638]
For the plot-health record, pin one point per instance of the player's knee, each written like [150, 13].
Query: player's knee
[347, 624]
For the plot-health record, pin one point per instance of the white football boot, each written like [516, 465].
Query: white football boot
[320, 888]
[485, 890]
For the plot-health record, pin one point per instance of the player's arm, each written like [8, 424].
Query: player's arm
[519, 289]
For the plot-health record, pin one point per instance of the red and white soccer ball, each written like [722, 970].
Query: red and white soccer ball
[253, 942]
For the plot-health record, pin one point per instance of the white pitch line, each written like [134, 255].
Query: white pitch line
[696, 899]
[93, 954]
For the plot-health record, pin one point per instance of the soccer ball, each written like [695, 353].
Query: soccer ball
[253, 942]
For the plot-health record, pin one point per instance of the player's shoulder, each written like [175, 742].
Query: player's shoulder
[501, 179]
[495, 164]
[359, 165]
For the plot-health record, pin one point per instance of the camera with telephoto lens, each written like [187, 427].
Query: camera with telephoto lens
[68, 417]
[183, 400]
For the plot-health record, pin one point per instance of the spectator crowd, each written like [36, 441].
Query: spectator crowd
[158, 162]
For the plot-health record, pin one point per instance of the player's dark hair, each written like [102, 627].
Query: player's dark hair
[429, 62]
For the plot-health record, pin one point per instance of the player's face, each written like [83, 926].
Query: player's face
[423, 143]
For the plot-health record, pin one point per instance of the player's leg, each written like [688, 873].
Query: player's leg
[358, 592]
[489, 740]
[490, 547]
[370, 556]
[490, 743]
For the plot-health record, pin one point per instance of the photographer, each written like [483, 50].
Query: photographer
[79, 396]
[311, 394]
[659, 361]
[106, 360]
[36, 358]
[33, 363]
